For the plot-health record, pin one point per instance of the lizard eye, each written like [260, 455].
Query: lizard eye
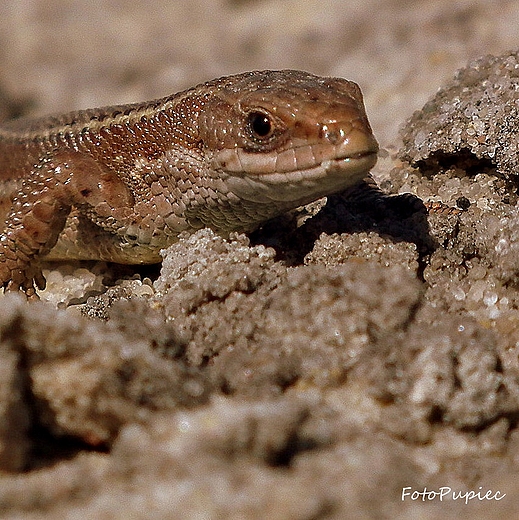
[260, 125]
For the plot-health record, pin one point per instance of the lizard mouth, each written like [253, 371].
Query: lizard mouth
[358, 149]
[300, 186]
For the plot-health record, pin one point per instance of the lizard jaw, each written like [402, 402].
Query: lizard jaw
[298, 187]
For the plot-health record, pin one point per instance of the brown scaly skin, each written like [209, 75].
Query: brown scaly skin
[120, 183]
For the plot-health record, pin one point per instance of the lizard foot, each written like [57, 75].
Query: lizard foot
[23, 280]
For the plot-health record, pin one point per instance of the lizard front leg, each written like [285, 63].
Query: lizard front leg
[39, 212]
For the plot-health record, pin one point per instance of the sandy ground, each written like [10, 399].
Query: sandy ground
[335, 362]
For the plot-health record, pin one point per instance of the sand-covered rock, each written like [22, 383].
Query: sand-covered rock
[476, 113]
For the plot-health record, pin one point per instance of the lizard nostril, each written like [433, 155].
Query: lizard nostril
[333, 135]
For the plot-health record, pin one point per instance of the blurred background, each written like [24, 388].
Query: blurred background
[66, 54]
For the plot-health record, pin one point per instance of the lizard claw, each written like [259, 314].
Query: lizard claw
[39, 279]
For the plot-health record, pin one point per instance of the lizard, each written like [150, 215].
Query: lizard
[121, 183]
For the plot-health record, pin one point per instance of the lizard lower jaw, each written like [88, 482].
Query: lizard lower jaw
[292, 189]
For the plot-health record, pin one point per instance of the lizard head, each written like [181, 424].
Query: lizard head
[286, 138]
